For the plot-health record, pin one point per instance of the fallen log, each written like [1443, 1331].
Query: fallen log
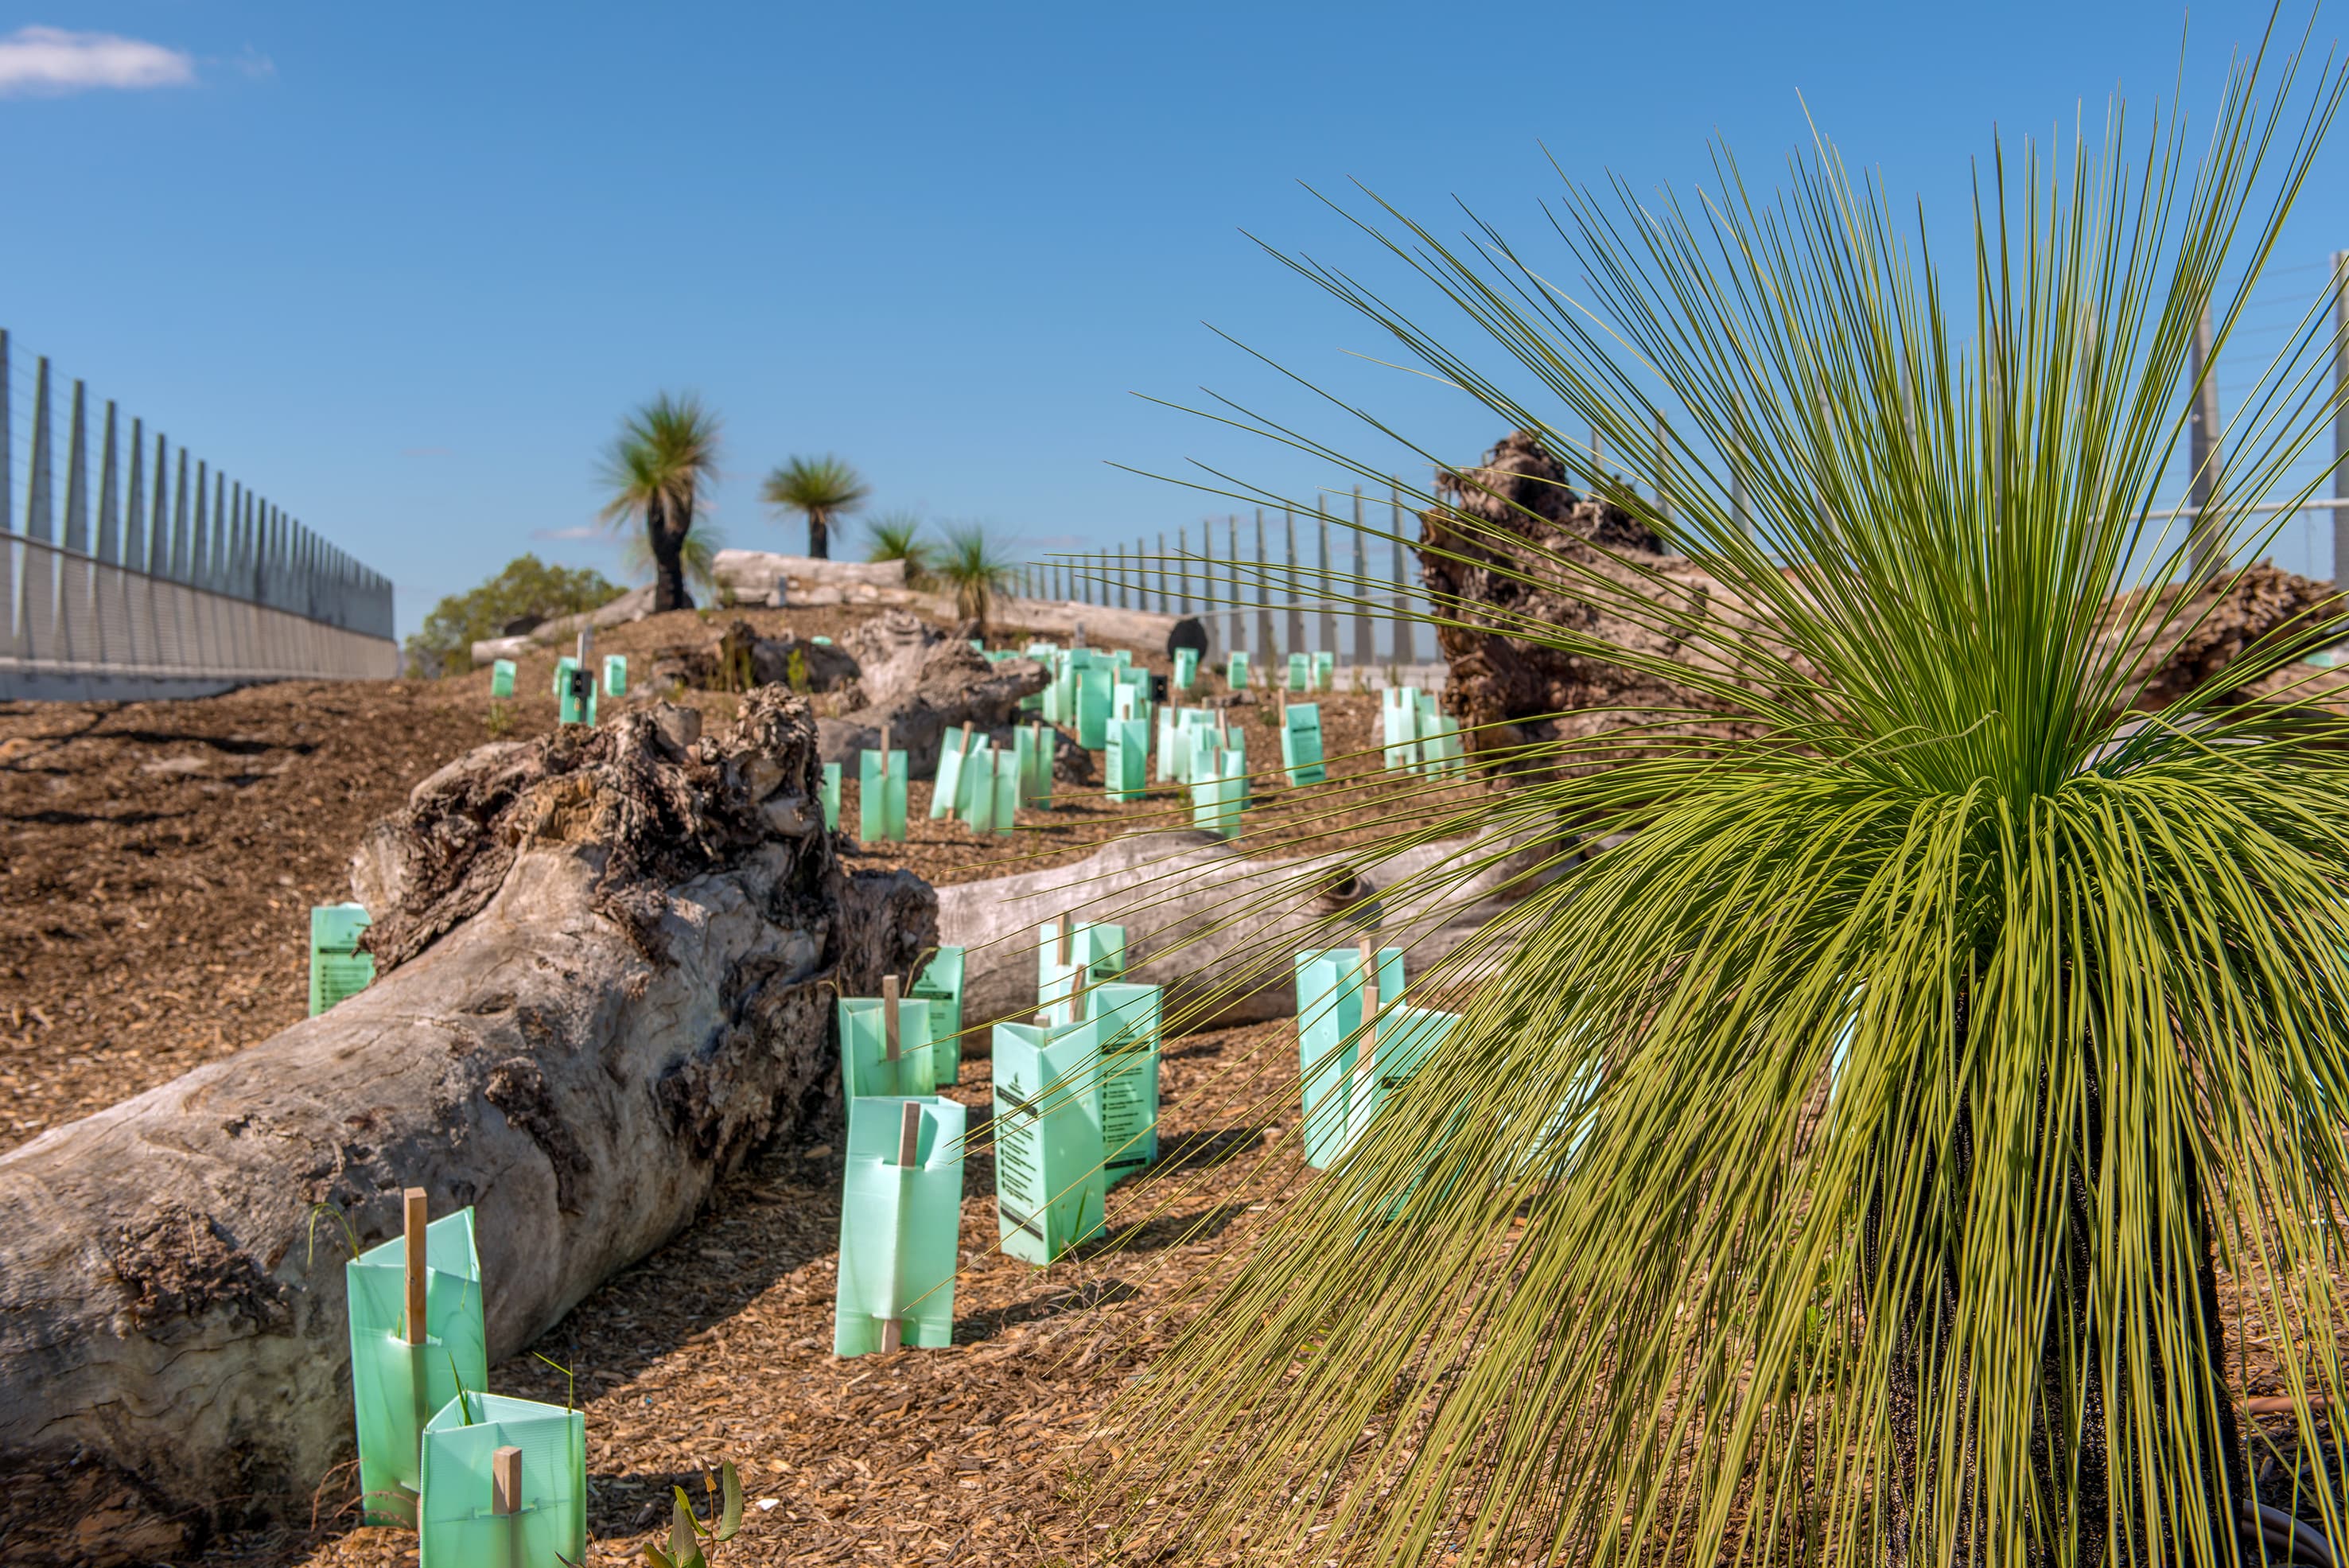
[609, 960]
[918, 683]
[1217, 927]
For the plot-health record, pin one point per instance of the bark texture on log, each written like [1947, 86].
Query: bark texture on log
[920, 683]
[1519, 506]
[608, 965]
[1217, 927]
[1507, 691]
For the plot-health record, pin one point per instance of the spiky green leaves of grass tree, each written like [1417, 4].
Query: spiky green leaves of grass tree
[1862, 1160]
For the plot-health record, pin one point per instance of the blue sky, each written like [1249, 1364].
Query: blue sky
[403, 270]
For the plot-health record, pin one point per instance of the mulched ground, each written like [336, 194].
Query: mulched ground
[157, 864]
[720, 1346]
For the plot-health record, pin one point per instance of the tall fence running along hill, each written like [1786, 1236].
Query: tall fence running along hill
[1247, 582]
[130, 569]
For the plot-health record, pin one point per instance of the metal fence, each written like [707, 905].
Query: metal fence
[1256, 595]
[130, 569]
[1247, 579]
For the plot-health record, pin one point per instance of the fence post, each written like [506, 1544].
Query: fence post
[1365, 635]
[2340, 416]
[76, 529]
[39, 523]
[1405, 646]
[2204, 557]
[134, 532]
[1265, 653]
[1235, 620]
[1183, 578]
[7, 469]
[1293, 620]
[109, 494]
[1328, 643]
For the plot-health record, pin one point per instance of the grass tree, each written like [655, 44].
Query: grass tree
[1860, 1161]
[821, 488]
[656, 470]
[897, 536]
[975, 571]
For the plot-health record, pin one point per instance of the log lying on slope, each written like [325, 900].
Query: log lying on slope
[1218, 926]
[610, 963]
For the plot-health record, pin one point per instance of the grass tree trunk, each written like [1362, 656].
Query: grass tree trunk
[669, 592]
[2082, 1449]
[818, 534]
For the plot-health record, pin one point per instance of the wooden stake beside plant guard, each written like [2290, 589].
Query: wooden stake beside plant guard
[909, 1145]
[889, 1048]
[416, 1214]
[505, 1480]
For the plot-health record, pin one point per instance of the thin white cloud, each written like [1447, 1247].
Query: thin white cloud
[49, 62]
[584, 530]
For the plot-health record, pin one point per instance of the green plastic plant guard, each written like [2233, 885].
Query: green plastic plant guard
[1440, 745]
[940, 985]
[899, 1226]
[866, 1068]
[992, 791]
[1032, 749]
[953, 757]
[975, 789]
[337, 969]
[1407, 1037]
[1097, 951]
[1300, 672]
[615, 675]
[574, 698]
[1325, 672]
[1301, 745]
[1129, 1018]
[1329, 1021]
[830, 794]
[501, 677]
[396, 1386]
[1187, 668]
[1048, 1183]
[1095, 686]
[881, 804]
[460, 1527]
[1236, 672]
[823, 642]
[1214, 798]
[1127, 759]
[1399, 726]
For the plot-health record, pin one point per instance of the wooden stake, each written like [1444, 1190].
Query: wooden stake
[885, 753]
[505, 1480]
[1363, 1063]
[415, 1215]
[889, 1018]
[1063, 934]
[909, 1149]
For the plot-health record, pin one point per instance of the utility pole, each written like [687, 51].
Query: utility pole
[2340, 417]
[2204, 556]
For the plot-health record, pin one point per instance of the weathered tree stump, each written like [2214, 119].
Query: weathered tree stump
[609, 962]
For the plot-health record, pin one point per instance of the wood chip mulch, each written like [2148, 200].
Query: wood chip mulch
[720, 1346]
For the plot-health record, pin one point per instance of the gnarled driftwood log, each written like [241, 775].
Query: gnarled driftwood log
[609, 964]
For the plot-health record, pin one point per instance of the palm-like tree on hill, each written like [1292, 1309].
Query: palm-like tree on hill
[819, 489]
[656, 468]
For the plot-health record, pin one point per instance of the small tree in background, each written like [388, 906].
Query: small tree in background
[819, 489]
[896, 536]
[971, 566]
[528, 589]
[656, 468]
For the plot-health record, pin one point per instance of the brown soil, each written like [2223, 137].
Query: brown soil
[159, 860]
